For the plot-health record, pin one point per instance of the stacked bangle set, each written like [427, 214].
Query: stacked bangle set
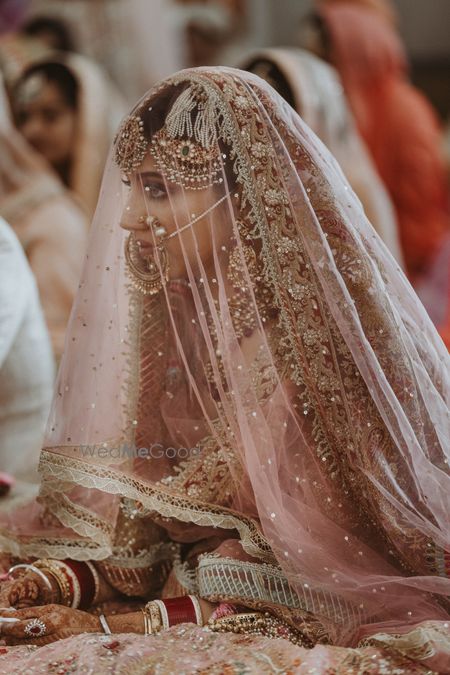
[77, 582]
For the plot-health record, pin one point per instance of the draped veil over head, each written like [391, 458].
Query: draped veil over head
[265, 360]
[314, 90]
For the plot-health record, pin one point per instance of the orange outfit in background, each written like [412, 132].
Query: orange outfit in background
[384, 8]
[398, 124]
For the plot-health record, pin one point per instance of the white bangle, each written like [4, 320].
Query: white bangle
[164, 615]
[96, 582]
[106, 628]
[197, 609]
[34, 569]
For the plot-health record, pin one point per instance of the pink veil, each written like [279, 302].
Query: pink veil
[284, 386]
[319, 98]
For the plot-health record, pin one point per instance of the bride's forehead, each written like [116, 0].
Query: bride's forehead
[148, 164]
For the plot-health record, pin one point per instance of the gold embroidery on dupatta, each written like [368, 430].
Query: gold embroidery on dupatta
[323, 370]
[340, 415]
[147, 367]
[205, 477]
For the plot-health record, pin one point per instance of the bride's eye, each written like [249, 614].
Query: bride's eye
[155, 190]
[126, 181]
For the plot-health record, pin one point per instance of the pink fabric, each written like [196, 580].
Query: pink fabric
[320, 101]
[322, 422]
[196, 650]
[222, 610]
[50, 226]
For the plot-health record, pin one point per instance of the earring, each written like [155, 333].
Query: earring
[145, 274]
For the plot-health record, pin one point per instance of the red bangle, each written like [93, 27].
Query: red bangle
[86, 581]
[181, 610]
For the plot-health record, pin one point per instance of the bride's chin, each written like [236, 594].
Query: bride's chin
[145, 253]
[178, 275]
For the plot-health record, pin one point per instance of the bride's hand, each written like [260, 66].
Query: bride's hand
[26, 591]
[42, 625]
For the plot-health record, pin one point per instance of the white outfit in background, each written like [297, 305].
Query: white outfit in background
[26, 362]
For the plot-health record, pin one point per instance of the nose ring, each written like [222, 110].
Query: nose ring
[148, 220]
[153, 222]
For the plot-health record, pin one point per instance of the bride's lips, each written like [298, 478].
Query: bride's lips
[144, 246]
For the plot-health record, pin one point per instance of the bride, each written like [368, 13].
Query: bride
[250, 426]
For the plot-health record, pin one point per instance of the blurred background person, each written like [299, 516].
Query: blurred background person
[52, 32]
[48, 222]
[313, 89]
[26, 365]
[67, 109]
[136, 42]
[12, 13]
[396, 121]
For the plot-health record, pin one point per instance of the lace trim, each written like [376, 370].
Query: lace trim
[128, 559]
[76, 517]
[47, 547]
[66, 469]
[226, 578]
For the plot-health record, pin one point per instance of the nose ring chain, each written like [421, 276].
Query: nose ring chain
[153, 222]
[161, 232]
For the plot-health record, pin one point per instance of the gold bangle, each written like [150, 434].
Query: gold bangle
[154, 615]
[61, 584]
[96, 578]
[61, 579]
[164, 617]
[155, 618]
[147, 623]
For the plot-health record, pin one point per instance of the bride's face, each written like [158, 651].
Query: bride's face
[174, 207]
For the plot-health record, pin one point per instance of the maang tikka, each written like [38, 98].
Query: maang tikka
[185, 149]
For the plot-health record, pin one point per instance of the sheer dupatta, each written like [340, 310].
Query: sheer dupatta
[261, 367]
[317, 95]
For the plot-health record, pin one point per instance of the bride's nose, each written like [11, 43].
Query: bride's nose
[133, 219]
